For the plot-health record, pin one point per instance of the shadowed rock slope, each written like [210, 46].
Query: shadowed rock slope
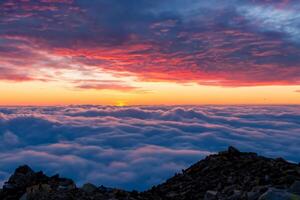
[231, 175]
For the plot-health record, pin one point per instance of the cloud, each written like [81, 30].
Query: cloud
[105, 85]
[145, 144]
[236, 43]
[10, 139]
[12, 75]
[271, 18]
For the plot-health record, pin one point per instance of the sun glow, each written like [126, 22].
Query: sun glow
[60, 93]
[121, 104]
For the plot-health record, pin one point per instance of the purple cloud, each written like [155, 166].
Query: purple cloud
[105, 85]
[233, 43]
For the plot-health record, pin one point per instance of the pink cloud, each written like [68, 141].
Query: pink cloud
[105, 85]
[224, 48]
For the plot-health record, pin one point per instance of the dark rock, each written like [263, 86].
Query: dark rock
[66, 184]
[252, 195]
[237, 194]
[276, 194]
[23, 197]
[89, 188]
[233, 151]
[25, 169]
[211, 195]
[295, 188]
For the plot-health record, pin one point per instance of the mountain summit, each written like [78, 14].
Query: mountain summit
[228, 175]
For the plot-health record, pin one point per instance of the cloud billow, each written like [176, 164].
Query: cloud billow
[143, 144]
[233, 43]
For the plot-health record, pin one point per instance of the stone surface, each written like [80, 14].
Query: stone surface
[211, 195]
[276, 194]
[89, 188]
[24, 197]
[295, 188]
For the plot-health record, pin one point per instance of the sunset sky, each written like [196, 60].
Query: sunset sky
[96, 90]
[136, 52]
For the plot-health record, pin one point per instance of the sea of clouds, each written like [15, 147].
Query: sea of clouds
[137, 147]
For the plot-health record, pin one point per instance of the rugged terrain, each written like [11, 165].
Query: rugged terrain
[231, 175]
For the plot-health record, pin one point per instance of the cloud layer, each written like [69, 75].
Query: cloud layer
[143, 145]
[227, 43]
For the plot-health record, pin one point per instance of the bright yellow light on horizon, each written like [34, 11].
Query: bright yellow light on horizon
[59, 93]
[121, 104]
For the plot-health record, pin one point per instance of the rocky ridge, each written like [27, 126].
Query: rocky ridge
[228, 175]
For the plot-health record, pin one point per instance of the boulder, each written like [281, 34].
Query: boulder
[295, 188]
[252, 195]
[66, 184]
[233, 151]
[278, 194]
[89, 188]
[211, 195]
[23, 197]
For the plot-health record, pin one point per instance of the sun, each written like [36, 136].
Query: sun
[120, 103]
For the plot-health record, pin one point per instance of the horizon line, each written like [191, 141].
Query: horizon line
[146, 105]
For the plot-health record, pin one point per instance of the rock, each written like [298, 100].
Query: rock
[298, 170]
[24, 169]
[280, 159]
[172, 194]
[260, 189]
[89, 188]
[23, 197]
[233, 151]
[230, 151]
[229, 188]
[9, 186]
[45, 188]
[211, 195]
[236, 195]
[252, 195]
[295, 188]
[277, 194]
[66, 184]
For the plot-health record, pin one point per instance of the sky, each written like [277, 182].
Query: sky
[144, 145]
[141, 52]
[101, 89]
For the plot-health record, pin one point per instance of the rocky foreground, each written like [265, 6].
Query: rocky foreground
[231, 175]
